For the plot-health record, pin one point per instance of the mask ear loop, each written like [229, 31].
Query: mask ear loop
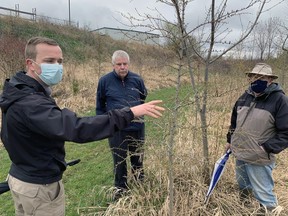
[34, 70]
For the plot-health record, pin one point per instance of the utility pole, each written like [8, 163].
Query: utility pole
[34, 14]
[17, 9]
[69, 13]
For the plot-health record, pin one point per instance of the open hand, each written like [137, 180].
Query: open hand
[149, 109]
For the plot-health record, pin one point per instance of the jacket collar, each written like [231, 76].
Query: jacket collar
[118, 77]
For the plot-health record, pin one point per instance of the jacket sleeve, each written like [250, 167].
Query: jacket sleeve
[100, 98]
[279, 142]
[144, 92]
[232, 123]
[52, 122]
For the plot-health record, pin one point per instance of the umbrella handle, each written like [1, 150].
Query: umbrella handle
[73, 162]
[4, 187]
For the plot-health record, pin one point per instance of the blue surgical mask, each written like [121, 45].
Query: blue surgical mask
[259, 86]
[51, 73]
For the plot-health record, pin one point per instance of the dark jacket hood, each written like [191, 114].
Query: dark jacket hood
[18, 87]
[274, 87]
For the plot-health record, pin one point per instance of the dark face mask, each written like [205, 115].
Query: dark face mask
[258, 86]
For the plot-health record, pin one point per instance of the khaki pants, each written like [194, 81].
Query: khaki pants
[37, 200]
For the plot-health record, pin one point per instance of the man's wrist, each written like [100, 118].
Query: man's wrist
[128, 110]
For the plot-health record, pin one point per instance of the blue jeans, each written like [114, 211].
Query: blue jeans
[257, 178]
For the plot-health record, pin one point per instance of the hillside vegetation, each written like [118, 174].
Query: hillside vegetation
[88, 185]
[87, 56]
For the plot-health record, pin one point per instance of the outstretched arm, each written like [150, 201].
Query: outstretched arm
[65, 125]
[150, 109]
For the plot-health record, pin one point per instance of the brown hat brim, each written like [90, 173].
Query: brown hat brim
[272, 76]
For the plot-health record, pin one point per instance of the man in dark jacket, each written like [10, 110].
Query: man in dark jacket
[117, 89]
[34, 130]
[259, 129]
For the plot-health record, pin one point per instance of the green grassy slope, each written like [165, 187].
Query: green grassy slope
[89, 183]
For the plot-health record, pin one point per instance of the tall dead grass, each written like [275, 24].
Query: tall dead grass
[77, 92]
[152, 197]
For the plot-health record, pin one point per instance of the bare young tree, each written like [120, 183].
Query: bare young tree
[11, 52]
[212, 34]
[284, 44]
[216, 16]
[265, 35]
[285, 39]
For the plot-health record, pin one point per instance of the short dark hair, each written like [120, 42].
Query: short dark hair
[30, 48]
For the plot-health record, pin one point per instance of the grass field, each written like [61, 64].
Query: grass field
[88, 185]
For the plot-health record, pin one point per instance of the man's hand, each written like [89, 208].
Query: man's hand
[149, 109]
[261, 146]
[227, 147]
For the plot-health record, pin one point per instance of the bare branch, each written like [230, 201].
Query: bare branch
[245, 35]
[283, 45]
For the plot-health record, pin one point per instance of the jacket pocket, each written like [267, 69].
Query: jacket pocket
[52, 192]
[245, 147]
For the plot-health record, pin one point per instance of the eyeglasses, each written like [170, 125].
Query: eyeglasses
[124, 64]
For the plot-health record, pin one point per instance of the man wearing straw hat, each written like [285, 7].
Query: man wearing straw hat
[258, 131]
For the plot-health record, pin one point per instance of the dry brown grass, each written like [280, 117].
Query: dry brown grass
[152, 198]
[77, 92]
[86, 78]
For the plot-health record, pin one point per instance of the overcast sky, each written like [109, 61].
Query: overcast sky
[107, 13]
[91, 13]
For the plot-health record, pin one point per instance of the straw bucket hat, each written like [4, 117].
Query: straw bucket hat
[263, 69]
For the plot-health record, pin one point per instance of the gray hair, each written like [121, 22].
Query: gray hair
[120, 54]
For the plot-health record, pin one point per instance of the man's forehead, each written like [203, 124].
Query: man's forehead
[49, 58]
[121, 59]
[48, 51]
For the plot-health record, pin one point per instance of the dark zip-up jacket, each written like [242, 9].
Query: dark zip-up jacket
[257, 123]
[34, 129]
[115, 93]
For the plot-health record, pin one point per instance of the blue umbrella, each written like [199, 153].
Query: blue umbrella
[217, 172]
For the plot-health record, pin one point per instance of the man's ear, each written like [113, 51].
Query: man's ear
[270, 80]
[29, 65]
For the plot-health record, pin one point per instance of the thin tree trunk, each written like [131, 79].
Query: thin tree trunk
[172, 130]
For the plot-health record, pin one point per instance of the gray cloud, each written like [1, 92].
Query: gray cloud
[106, 13]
